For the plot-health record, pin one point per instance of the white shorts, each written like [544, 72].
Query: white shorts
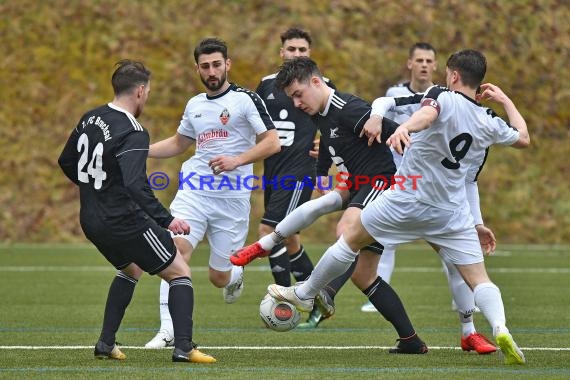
[224, 221]
[393, 221]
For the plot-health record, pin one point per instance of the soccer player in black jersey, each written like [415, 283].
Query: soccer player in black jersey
[368, 170]
[296, 134]
[106, 157]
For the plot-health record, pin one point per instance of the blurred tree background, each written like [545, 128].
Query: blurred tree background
[58, 56]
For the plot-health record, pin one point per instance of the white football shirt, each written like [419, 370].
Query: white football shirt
[455, 142]
[226, 124]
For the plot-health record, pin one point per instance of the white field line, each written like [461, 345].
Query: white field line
[108, 268]
[261, 348]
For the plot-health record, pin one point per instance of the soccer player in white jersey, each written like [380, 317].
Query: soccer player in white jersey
[422, 65]
[451, 130]
[231, 129]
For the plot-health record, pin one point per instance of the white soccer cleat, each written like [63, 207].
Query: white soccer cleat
[288, 294]
[233, 291]
[161, 340]
[368, 308]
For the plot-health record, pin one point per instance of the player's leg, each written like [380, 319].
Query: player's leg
[471, 340]
[119, 296]
[334, 262]
[120, 292]
[187, 208]
[387, 302]
[279, 202]
[488, 297]
[226, 232]
[316, 316]
[181, 307]
[300, 218]
[276, 202]
[384, 270]
[301, 264]
[278, 258]
[331, 289]
[463, 249]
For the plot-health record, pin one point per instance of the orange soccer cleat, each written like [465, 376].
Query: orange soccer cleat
[477, 342]
[246, 255]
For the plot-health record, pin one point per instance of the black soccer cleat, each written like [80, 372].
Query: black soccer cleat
[412, 345]
[104, 351]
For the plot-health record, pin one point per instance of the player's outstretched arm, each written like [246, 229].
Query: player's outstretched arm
[491, 92]
[170, 147]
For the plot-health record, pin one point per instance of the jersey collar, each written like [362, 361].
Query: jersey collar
[117, 108]
[324, 113]
[230, 87]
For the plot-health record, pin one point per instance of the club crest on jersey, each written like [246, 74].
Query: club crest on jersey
[225, 116]
[334, 134]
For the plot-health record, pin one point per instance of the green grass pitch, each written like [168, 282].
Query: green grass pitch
[53, 298]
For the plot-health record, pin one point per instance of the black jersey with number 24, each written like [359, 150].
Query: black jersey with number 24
[106, 157]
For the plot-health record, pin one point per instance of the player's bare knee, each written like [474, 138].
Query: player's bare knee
[133, 271]
[219, 279]
[184, 248]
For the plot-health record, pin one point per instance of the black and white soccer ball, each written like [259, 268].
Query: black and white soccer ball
[278, 315]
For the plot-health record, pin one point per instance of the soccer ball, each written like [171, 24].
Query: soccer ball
[278, 315]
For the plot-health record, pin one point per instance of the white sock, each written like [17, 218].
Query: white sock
[488, 299]
[267, 242]
[387, 263]
[467, 325]
[460, 291]
[165, 318]
[303, 216]
[235, 275]
[335, 261]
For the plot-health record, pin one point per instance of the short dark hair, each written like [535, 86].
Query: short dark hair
[209, 46]
[300, 69]
[128, 75]
[471, 65]
[422, 46]
[291, 33]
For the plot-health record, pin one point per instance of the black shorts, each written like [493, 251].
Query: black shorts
[280, 200]
[363, 196]
[366, 193]
[152, 250]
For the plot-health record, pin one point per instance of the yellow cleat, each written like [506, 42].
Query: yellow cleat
[194, 356]
[510, 350]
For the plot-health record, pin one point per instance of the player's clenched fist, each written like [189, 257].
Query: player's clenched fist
[179, 227]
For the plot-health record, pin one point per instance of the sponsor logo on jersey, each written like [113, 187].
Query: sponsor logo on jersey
[215, 134]
[225, 116]
[270, 96]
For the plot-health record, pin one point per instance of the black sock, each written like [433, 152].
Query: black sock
[120, 295]
[388, 303]
[181, 306]
[280, 265]
[301, 265]
[333, 287]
